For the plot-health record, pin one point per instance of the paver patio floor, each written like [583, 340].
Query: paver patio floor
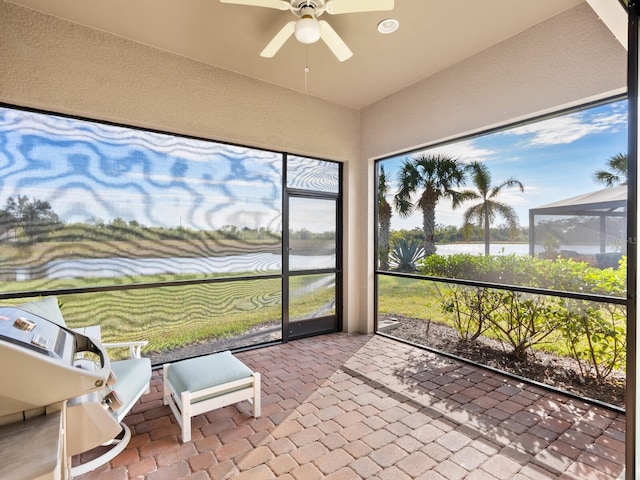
[355, 406]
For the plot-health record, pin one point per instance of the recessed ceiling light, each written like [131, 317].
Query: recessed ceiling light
[388, 25]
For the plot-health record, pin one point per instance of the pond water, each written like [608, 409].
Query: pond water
[250, 262]
[510, 248]
[119, 267]
[478, 248]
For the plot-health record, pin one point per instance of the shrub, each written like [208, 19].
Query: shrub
[594, 333]
[559, 274]
[406, 253]
[470, 308]
[507, 269]
[596, 338]
[524, 321]
[520, 320]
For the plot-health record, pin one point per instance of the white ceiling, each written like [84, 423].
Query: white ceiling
[433, 35]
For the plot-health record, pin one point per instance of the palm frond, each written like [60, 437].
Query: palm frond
[485, 212]
[617, 173]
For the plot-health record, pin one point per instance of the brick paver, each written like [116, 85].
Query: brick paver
[358, 407]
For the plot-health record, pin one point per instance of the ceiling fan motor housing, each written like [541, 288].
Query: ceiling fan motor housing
[300, 4]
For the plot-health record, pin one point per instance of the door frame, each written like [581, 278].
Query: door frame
[632, 449]
[321, 325]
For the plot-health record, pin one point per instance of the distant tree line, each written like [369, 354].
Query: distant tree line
[27, 219]
[30, 220]
[445, 234]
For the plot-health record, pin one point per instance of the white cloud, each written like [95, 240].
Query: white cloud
[465, 151]
[569, 128]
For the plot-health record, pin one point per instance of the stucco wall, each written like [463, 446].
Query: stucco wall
[565, 61]
[60, 66]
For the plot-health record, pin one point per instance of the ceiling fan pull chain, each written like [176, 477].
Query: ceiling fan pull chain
[306, 66]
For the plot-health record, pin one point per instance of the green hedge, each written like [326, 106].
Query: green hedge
[521, 270]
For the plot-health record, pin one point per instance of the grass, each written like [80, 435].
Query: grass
[174, 316]
[311, 295]
[88, 282]
[170, 316]
[43, 252]
[407, 297]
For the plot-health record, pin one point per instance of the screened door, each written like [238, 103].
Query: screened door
[312, 255]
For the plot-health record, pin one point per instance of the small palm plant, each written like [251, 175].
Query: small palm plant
[406, 252]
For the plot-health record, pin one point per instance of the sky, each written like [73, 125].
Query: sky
[90, 171]
[555, 159]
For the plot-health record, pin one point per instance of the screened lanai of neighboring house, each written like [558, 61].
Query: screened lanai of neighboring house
[564, 228]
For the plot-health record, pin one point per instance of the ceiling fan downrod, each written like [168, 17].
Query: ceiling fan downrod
[299, 5]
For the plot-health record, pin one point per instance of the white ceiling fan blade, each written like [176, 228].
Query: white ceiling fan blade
[335, 7]
[277, 4]
[277, 42]
[334, 42]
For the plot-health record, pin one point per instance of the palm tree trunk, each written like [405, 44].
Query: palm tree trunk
[429, 227]
[487, 232]
[383, 239]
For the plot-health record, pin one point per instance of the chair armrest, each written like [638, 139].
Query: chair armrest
[134, 347]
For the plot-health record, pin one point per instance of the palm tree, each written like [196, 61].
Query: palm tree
[433, 177]
[484, 213]
[617, 173]
[384, 220]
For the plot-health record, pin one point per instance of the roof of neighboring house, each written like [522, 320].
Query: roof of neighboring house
[608, 201]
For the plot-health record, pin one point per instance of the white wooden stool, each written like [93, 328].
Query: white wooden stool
[199, 385]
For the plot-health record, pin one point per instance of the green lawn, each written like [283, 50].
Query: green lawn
[175, 316]
[166, 316]
[407, 297]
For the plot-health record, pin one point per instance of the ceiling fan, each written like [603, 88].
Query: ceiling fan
[308, 29]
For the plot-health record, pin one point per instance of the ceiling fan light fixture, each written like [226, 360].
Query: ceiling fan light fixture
[388, 25]
[307, 30]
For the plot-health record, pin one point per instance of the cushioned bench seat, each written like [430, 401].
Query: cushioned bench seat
[202, 384]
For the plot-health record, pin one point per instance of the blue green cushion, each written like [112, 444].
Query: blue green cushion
[132, 374]
[46, 308]
[196, 374]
